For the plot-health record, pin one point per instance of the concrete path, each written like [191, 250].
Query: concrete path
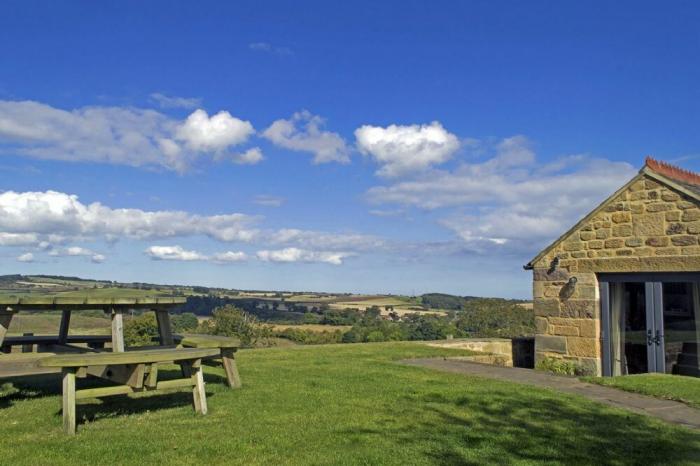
[669, 411]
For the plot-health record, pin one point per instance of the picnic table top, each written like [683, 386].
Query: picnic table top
[67, 303]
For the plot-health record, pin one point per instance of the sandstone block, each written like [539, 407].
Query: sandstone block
[573, 246]
[693, 228]
[683, 205]
[675, 229]
[584, 347]
[691, 215]
[579, 308]
[649, 225]
[614, 243]
[638, 196]
[587, 235]
[621, 217]
[684, 240]
[669, 196]
[651, 184]
[658, 241]
[595, 244]
[666, 251]
[633, 242]
[659, 207]
[541, 325]
[589, 328]
[673, 216]
[624, 252]
[546, 307]
[550, 343]
[622, 230]
[563, 330]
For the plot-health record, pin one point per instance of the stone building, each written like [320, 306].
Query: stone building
[619, 293]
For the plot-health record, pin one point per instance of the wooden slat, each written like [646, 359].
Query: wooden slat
[207, 341]
[104, 391]
[164, 329]
[117, 331]
[233, 379]
[198, 393]
[152, 378]
[128, 357]
[85, 302]
[69, 400]
[5, 319]
[53, 339]
[23, 364]
[63, 330]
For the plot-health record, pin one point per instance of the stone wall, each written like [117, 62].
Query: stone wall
[649, 227]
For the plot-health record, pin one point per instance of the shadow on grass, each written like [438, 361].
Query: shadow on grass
[40, 386]
[507, 427]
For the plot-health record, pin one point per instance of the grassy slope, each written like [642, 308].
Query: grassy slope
[670, 387]
[343, 404]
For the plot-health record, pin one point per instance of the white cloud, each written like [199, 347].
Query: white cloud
[55, 217]
[203, 133]
[317, 240]
[78, 251]
[269, 201]
[269, 48]
[116, 135]
[508, 201]
[302, 132]
[18, 239]
[178, 253]
[401, 150]
[173, 253]
[302, 255]
[249, 157]
[26, 257]
[229, 256]
[165, 101]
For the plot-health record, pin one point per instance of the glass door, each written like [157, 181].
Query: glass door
[650, 323]
[680, 308]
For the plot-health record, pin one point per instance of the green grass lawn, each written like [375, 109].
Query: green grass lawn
[670, 387]
[340, 404]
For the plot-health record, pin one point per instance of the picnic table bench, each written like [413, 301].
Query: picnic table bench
[226, 347]
[133, 371]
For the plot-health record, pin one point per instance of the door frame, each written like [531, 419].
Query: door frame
[656, 353]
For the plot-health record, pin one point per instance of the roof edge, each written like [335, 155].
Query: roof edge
[646, 170]
[545, 251]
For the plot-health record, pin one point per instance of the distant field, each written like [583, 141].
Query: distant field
[311, 298]
[313, 327]
[401, 306]
[47, 324]
[114, 292]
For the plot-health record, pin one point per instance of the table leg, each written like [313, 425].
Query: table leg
[117, 330]
[63, 330]
[5, 319]
[69, 400]
[164, 329]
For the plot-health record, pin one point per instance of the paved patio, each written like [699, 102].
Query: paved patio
[669, 411]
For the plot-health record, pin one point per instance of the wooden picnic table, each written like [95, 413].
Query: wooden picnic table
[133, 371]
[115, 307]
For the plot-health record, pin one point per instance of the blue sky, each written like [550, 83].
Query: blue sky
[400, 147]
